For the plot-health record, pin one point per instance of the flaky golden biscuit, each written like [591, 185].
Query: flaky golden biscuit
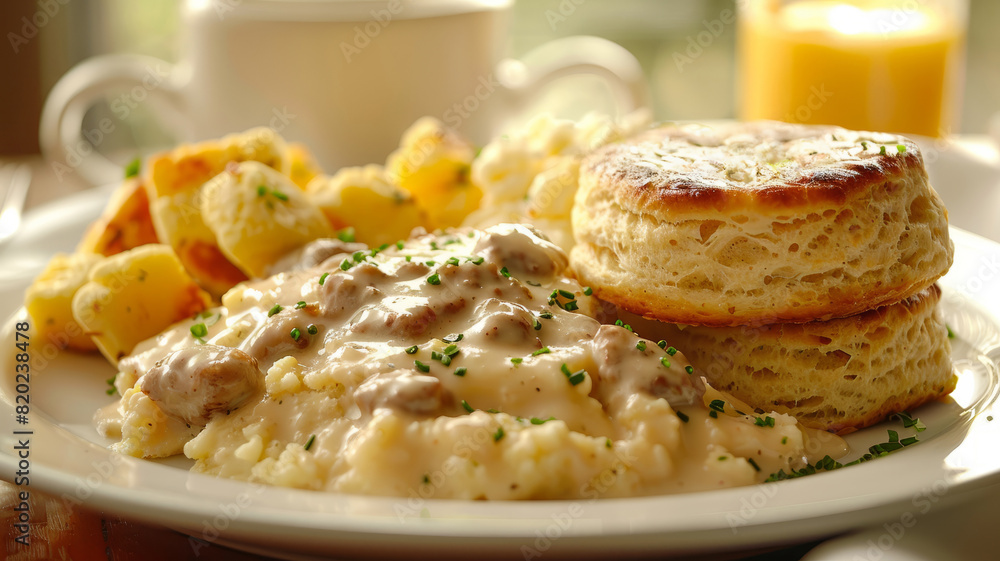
[838, 375]
[753, 223]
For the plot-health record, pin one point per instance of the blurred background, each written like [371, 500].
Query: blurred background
[655, 31]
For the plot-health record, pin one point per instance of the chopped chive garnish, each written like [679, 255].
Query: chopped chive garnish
[619, 323]
[864, 145]
[671, 351]
[478, 260]
[133, 168]
[309, 443]
[717, 405]
[434, 279]
[498, 434]
[722, 458]
[312, 329]
[545, 315]
[766, 421]
[901, 148]
[665, 361]
[909, 421]
[466, 406]
[516, 360]
[881, 151]
[460, 371]
[571, 306]
[505, 272]
[641, 345]
[453, 338]
[279, 195]
[345, 265]
[409, 258]
[537, 421]
[358, 256]
[607, 442]
[411, 350]
[565, 370]
[274, 309]
[300, 304]
[537, 324]
[261, 190]
[446, 360]
[399, 244]
[951, 334]
[322, 278]
[713, 414]
[199, 330]
[295, 333]
[430, 263]
[754, 464]
[587, 291]
[435, 355]
[346, 235]
[689, 369]
[541, 351]
[662, 344]
[567, 294]
[450, 350]
[421, 366]
[575, 379]
[683, 417]
[452, 261]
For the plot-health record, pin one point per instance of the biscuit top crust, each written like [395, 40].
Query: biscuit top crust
[762, 165]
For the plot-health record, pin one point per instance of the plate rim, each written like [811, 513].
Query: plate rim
[259, 521]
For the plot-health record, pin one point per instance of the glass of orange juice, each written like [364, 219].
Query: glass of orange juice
[884, 65]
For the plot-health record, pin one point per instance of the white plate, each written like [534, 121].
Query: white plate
[957, 455]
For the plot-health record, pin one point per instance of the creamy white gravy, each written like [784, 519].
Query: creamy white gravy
[463, 365]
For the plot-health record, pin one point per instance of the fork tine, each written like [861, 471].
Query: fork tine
[17, 179]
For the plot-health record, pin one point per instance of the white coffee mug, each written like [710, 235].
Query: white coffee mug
[345, 77]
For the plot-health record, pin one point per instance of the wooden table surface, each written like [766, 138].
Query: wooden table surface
[61, 530]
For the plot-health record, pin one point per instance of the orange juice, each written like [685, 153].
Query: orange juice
[885, 65]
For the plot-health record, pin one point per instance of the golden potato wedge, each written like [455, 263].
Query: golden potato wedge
[258, 216]
[49, 300]
[363, 198]
[124, 224]
[134, 295]
[174, 180]
[433, 163]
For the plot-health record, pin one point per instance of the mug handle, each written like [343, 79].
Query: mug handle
[579, 54]
[67, 147]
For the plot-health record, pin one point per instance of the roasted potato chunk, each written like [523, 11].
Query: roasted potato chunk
[134, 295]
[174, 181]
[300, 165]
[433, 163]
[124, 224]
[363, 198]
[49, 300]
[258, 216]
